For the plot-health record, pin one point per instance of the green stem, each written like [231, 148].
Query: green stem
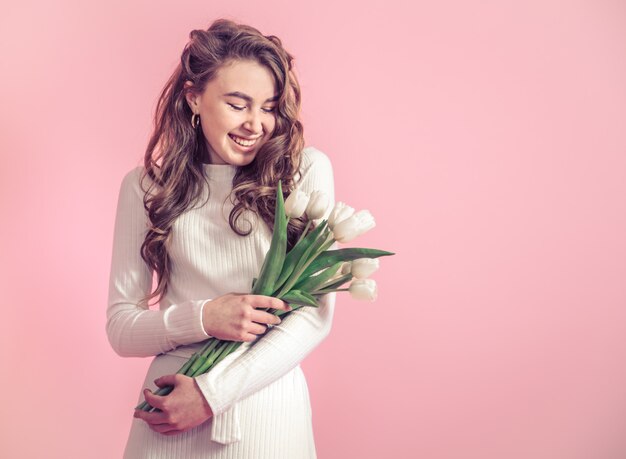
[202, 358]
[210, 361]
[321, 292]
[232, 347]
[188, 363]
[306, 230]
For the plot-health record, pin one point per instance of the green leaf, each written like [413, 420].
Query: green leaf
[296, 254]
[312, 283]
[330, 257]
[299, 297]
[310, 254]
[275, 256]
[342, 280]
[294, 307]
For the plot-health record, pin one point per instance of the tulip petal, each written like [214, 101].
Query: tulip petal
[340, 212]
[362, 268]
[318, 204]
[296, 203]
[364, 289]
[357, 224]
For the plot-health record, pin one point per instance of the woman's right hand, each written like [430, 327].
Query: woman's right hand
[235, 317]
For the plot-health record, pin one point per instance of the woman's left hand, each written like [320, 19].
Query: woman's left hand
[182, 409]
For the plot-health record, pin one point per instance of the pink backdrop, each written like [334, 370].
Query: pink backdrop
[488, 139]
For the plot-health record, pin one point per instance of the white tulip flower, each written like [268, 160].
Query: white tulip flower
[363, 289]
[340, 212]
[296, 203]
[362, 268]
[318, 204]
[353, 226]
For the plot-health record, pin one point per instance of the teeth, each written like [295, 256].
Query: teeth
[243, 142]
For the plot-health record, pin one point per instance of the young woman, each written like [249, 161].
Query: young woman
[199, 213]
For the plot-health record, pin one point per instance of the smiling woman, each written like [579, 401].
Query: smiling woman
[227, 130]
[235, 132]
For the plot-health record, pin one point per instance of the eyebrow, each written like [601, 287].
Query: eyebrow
[246, 97]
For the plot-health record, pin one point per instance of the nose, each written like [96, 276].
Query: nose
[253, 123]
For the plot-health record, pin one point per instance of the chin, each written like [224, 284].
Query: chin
[244, 159]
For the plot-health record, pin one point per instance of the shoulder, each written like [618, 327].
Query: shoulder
[316, 172]
[312, 155]
[314, 162]
[131, 185]
[133, 175]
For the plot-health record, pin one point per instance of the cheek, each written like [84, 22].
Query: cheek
[271, 126]
[224, 120]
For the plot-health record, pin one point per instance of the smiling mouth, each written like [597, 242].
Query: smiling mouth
[243, 142]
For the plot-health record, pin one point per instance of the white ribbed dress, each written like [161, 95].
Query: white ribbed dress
[258, 394]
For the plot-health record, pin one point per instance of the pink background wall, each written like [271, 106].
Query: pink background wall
[488, 139]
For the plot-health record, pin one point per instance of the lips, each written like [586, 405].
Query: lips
[244, 138]
[243, 146]
[243, 142]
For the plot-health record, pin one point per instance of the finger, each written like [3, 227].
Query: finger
[262, 317]
[151, 418]
[262, 301]
[154, 400]
[249, 337]
[257, 329]
[167, 380]
[173, 432]
[163, 428]
[281, 305]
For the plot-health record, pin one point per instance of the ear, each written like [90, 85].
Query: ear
[191, 97]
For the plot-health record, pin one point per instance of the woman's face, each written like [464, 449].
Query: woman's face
[237, 107]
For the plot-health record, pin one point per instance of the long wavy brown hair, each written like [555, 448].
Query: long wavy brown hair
[173, 159]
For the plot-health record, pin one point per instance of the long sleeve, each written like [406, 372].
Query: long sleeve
[134, 331]
[284, 346]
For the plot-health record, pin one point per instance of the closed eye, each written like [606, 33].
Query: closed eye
[240, 108]
[237, 107]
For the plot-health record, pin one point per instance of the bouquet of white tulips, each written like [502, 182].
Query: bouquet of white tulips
[308, 271]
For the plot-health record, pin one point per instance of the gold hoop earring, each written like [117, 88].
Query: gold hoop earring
[194, 120]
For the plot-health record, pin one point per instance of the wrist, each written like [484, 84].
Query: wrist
[204, 321]
[208, 411]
